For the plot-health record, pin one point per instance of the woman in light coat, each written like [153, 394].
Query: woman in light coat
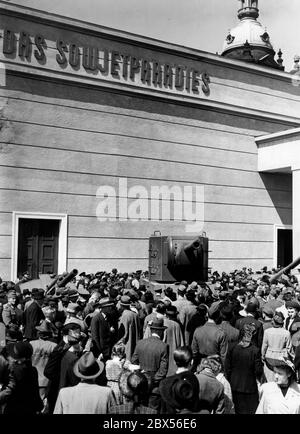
[281, 396]
[276, 343]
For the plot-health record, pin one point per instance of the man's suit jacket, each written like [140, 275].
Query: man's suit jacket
[84, 398]
[291, 325]
[152, 355]
[209, 339]
[33, 316]
[101, 336]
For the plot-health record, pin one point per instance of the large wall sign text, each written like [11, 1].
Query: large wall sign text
[118, 65]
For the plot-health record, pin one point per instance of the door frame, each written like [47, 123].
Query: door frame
[62, 238]
[276, 227]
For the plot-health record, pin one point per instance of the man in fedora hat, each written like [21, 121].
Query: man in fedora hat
[153, 357]
[73, 337]
[102, 332]
[128, 327]
[33, 315]
[58, 369]
[86, 397]
[173, 336]
[72, 316]
[186, 311]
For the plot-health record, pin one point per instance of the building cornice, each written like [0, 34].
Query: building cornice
[293, 133]
[117, 87]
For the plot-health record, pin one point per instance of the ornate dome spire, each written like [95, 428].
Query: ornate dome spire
[248, 9]
[249, 40]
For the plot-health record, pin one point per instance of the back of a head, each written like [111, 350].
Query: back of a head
[226, 313]
[119, 350]
[134, 385]
[183, 356]
[161, 308]
[190, 295]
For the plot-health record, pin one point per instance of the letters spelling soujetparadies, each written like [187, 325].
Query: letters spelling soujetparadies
[105, 62]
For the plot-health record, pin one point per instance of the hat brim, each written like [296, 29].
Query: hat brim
[42, 330]
[106, 305]
[278, 363]
[88, 377]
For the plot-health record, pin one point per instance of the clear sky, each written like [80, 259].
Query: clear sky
[201, 24]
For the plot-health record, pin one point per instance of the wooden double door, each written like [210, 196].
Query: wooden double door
[38, 246]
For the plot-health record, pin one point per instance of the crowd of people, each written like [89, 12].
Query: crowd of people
[112, 343]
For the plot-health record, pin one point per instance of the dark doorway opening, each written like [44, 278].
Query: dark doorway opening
[38, 246]
[284, 247]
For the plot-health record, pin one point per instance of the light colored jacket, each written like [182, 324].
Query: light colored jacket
[84, 399]
[276, 343]
[41, 353]
[273, 402]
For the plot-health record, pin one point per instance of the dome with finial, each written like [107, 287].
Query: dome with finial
[249, 41]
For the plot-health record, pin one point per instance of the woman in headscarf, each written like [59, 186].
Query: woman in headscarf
[276, 343]
[244, 370]
[281, 396]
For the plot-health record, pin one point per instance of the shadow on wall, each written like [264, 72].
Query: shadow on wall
[50, 88]
[279, 188]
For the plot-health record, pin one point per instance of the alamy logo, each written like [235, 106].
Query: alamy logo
[158, 203]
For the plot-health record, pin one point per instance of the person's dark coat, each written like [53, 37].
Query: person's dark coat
[25, 398]
[196, 321]
[297, 360]
[292, 325]
[152, 355]
[52, 372]
[211, 395]
[232, 334]
[102, 338]
[67, 376]
[128, 331]
[33, 316]
[243, 367]
[207, 341]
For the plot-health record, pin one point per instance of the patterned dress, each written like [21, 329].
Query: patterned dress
[114, 369]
